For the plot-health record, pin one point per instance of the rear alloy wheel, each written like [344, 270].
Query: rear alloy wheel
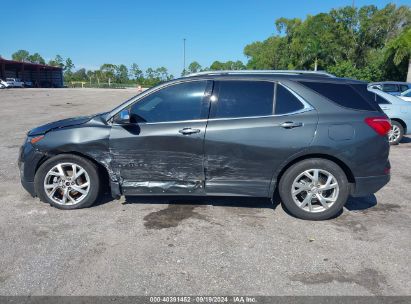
[67, 182]
[396, 133]
[314, 189]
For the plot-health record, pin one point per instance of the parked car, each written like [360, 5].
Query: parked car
[28, 84]
[15, 82]
[226, 134]
[4, 84]
[406, 95]
[399, 111]
[391, 87]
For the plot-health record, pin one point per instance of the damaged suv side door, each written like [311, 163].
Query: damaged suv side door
[160, 149]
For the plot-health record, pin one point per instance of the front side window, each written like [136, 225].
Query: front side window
[244, 99]
[286, 102]
[184, 101]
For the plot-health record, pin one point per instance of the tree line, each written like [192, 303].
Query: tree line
[364, 43]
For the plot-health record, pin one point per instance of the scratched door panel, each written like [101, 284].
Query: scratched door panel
[157, 158]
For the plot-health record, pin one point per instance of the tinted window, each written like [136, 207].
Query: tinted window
[389, 88]
[371, 97]
[381, 100]
[342, 94]
[244, 98]
[286, 102]
[178, 102]
[403, 87]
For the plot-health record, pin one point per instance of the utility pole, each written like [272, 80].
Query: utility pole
[184, 55]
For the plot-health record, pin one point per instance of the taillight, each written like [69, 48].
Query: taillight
[381, 125]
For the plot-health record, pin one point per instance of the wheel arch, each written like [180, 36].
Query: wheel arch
[402, 122]
[104, 174]
[339, 162]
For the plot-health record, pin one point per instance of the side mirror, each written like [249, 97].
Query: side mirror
[122, 117]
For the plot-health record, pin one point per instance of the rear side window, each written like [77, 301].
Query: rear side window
[374, 99]
[390, 88]
[342, 94]
[244, 99]
[286, 102]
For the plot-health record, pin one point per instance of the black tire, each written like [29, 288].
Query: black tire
[88, 166]
[286, 182]
[401, 129]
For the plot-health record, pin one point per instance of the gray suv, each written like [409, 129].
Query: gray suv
[316, 139]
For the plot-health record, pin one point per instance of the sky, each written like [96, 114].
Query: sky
[150, 32]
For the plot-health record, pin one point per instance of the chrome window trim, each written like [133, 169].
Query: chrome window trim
[146, 93]
[307, 107]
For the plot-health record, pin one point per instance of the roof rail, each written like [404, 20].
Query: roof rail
[261, 72]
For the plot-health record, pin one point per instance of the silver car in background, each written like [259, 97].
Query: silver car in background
[399, 111]
[406, 95]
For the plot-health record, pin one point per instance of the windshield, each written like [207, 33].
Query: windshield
[406, 93]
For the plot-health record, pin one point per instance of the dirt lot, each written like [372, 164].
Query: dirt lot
[151, 246]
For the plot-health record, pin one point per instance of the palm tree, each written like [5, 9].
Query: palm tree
[400, 50]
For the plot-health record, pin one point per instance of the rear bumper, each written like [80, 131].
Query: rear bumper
[368, 185]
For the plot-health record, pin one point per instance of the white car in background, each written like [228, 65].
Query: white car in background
[398, 110]
[3, 84]
[406, 95]
[15, 82]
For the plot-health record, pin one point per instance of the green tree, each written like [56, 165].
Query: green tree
[79, 75]
[194, 67]
[20, 55]
[348, 41]
[69, 65]
[136, 72]
[108, 71]
[398, 52]
[229, 65]
[36, 58]
[57, 61]
[121, 73]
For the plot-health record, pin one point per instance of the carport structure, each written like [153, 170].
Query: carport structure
[39, 74]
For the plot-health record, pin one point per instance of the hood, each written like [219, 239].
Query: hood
[60, 124]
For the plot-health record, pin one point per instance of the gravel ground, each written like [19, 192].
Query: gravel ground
[153, 246]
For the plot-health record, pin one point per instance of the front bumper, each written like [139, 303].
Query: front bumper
[29, 159]
[368, 185]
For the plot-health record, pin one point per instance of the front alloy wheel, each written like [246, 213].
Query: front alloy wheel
[67, 184]
[68, 181]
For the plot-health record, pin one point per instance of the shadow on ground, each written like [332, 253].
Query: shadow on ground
[353, 204]
[361, 203]
[405, 140]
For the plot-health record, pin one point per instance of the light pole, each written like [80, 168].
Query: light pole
[184, 56]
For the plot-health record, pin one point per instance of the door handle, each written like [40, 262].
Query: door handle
[291, 124]
[188, 131]
[384, 108]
